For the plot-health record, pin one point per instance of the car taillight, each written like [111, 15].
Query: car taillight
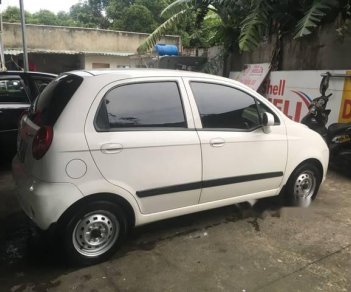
[42, 141]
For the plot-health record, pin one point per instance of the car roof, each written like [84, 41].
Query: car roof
[142, 72]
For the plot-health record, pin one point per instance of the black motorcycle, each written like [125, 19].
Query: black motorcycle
[337, 135]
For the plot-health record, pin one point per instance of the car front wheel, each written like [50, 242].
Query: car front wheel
[94, 232]
[303, 185]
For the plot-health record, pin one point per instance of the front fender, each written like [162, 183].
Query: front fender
[305, 144]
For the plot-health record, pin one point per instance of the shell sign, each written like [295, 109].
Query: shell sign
[293, 91]
[345, 107]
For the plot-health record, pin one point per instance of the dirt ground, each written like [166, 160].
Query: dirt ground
[237, 248]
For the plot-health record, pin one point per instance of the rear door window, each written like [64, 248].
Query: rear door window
[53, 99]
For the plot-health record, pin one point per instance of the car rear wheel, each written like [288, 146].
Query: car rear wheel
[94, 232]
[303, 185]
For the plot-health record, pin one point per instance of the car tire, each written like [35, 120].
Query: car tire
[93, 232]
[303, 185]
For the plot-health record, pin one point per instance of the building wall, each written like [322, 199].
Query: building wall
[58, 49]
[113, 61]
[323, 50]
[56, 38]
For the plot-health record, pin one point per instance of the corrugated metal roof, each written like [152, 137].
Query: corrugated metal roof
[64, 52]
[121, 54]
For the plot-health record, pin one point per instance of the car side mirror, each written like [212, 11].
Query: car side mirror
[267, 122]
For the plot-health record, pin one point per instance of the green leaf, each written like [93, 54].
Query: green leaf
[175, 7]
[254, 25]
[161, 31]
[313, 17]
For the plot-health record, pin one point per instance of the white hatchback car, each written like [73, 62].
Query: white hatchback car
[103, 151]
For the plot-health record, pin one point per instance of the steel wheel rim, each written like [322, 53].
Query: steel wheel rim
[95, 233]
[305, 185]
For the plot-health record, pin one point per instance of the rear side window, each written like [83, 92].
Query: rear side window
[52, 101]
[142, 105]
[12, 91]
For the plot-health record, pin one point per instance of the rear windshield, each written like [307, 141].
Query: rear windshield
[52, 101]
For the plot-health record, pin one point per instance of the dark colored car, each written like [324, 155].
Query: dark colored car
[17, 91]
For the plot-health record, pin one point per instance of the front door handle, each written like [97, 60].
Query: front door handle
[217, 142]
[111, 148]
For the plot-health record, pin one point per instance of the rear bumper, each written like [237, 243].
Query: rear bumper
[43, 202]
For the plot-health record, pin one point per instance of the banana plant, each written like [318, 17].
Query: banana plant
[254, 25]
[282, 16]
[245, 23]
[177, 11]
[313, 17]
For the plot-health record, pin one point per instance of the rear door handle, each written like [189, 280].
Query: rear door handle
[111, 148]
[217, 142]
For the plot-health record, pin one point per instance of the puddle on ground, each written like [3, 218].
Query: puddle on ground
[13, 237]
[25, 257]
[194, 225]
[254, 223]
[39, 287]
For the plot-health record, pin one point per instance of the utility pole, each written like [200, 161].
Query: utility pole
[2, 56]
[24, 37]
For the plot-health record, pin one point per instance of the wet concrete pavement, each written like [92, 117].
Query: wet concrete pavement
[237, 248]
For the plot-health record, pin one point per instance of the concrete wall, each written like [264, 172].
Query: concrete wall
[322, 50]
[58, 38]
[113, 61]
[57, 49]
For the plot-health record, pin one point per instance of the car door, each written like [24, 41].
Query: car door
[239, 158]
[13, 101]
[142, 138]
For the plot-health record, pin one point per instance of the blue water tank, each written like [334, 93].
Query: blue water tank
[166, 50]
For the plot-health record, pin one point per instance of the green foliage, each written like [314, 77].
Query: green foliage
[244, 24]
[43, 17]
[344, 27]
[235, 24]
[160, 31]
[114, 10]
[138, 18]
[64, 19]
[254, 25]
[89, 14]
[313, 17]
[154, 6]
[13, 14]
[175, 7]
[213, 22]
